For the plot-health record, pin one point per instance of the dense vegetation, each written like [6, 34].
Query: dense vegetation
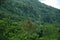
[28, 20]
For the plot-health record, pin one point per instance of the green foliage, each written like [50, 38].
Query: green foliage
[28, 20]
[27, 30]
[31, 9]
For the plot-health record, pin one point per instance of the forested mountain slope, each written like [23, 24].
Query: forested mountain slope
[31, 9]
[28, 20]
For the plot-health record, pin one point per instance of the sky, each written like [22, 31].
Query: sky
[53, 3]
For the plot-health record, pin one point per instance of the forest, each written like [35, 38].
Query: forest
[28, 20]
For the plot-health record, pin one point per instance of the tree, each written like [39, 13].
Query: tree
[59, 35]
[29, 26]
[1, 2]
[3, 28]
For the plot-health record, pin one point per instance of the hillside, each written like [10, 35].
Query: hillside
[28, 20]
[31, 9]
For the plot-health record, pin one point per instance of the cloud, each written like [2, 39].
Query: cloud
[53, 3]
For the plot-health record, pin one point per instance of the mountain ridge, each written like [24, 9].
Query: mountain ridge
[29, 8]
[28, 20]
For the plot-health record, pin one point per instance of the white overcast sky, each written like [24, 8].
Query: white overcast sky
[53, 3]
